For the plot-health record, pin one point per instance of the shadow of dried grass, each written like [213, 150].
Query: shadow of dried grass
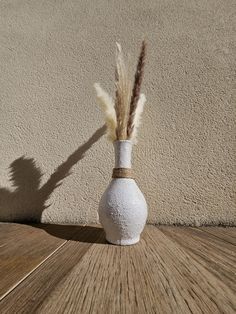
[28, 200]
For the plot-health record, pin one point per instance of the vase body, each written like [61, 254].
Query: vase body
[122, 208]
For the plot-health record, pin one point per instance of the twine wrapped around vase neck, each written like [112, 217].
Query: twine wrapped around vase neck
[122, 173]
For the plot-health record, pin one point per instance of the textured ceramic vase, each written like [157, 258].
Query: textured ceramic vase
[123, 209]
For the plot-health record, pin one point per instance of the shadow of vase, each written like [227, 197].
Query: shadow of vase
[86, 234]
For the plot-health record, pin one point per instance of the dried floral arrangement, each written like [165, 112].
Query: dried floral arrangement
[123, 115]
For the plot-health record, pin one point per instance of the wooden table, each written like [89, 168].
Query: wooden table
[71, 269]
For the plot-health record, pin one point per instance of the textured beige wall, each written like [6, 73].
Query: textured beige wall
[51, 53]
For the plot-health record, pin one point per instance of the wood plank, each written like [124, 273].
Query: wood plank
[155, 276]
[30, 293]
[22, 249]
[194, 284]
[217, 256]
[227, 234]
[104, 282]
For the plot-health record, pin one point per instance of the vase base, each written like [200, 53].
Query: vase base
[124, 241]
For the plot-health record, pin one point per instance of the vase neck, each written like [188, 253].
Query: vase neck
[123, 151]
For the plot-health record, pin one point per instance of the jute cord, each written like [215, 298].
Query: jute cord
[122, 173]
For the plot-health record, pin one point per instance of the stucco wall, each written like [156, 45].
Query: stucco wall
[51, 53]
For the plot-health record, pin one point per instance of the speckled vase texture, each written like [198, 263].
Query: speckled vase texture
[123, 208]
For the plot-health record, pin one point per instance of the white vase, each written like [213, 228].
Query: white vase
[123, 209]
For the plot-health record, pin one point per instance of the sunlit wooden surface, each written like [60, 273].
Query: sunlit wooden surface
[71, 269]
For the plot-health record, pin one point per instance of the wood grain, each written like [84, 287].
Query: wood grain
[22, 249]
[227, 234]
[159, 275]
[216, 255]
[30, 293]
[188, 280]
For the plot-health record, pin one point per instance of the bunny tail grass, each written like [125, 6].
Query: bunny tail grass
[136, 88]
[137, 118]
[107, 105]
[123, 94]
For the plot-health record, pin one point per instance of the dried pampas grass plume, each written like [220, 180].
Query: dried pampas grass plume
[137, 117]
[107, 105]
[123, 94]
[136, 89]
[123, 116]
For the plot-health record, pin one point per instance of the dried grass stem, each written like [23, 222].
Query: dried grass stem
[136, 89]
